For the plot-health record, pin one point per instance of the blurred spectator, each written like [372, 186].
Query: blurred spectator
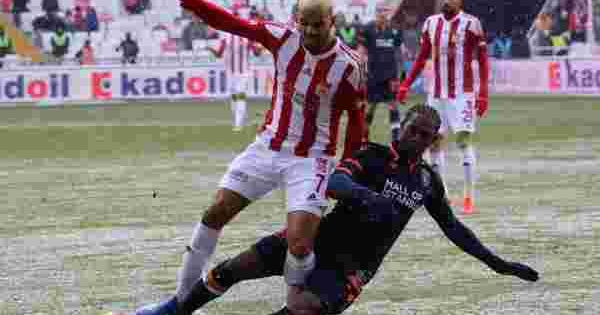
[6, 6]
[196, 29]
[69, 21]
[91, 19]
[345, 31]
[6, 45]
[501, 45]
[49, 22]
[578, 20]
[136, 6]
[560, 17]
[50, 6]
[130, 49]
[60, 43]
[541, 40]
[78, 20]
[85, 55]
[18, 7]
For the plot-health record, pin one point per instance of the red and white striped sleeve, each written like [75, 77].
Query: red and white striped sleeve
[268, 34]
[479, 40]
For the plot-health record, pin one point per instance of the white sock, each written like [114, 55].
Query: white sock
[203, 244]
[438, 162]
[240, 113]
[469, 169]
[297, 269]
[233, 107]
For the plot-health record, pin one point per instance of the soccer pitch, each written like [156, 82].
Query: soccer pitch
[99, 202]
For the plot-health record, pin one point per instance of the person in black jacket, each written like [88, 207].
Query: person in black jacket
[377, 192]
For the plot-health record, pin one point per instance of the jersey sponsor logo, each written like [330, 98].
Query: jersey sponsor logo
[412, 199]
[312, 197]
[384, 43]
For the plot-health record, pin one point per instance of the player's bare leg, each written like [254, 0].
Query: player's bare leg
[226, 206]
[463, 141]
[300, 259]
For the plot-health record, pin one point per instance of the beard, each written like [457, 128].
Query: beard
[447, 9]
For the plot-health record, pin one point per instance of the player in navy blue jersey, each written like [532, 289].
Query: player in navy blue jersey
[382, 43]
[377, 191]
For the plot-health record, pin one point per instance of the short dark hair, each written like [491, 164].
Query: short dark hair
[425, 110]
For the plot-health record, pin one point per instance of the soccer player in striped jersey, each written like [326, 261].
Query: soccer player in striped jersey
[317, 79]
[453, 38]
[236, 50]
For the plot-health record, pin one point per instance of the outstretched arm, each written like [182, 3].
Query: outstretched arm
[466, 240]
[220, 19]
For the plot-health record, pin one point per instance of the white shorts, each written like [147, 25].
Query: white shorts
[238, 84]
[457, 114]
[259, 170]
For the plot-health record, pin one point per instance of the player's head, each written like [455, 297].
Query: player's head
[316, 23]
[419, 129]
[450, 7]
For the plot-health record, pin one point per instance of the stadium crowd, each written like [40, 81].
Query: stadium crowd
[74, 32]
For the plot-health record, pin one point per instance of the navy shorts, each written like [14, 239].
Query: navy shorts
[336, 289]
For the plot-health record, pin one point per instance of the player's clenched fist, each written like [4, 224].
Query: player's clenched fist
[402, 93]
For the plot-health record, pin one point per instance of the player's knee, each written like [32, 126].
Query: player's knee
[299, 244]
[299, 247]
[225, 207]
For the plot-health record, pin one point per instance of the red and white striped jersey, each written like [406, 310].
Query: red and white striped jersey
[453, 44]
[310, 92]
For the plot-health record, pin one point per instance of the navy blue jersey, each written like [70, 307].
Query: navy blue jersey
[381, 48]
[351, 238]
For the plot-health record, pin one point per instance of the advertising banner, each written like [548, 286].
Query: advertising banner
[516, 77]
[81, 84]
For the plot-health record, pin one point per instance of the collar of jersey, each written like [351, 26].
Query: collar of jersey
[325, 54]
